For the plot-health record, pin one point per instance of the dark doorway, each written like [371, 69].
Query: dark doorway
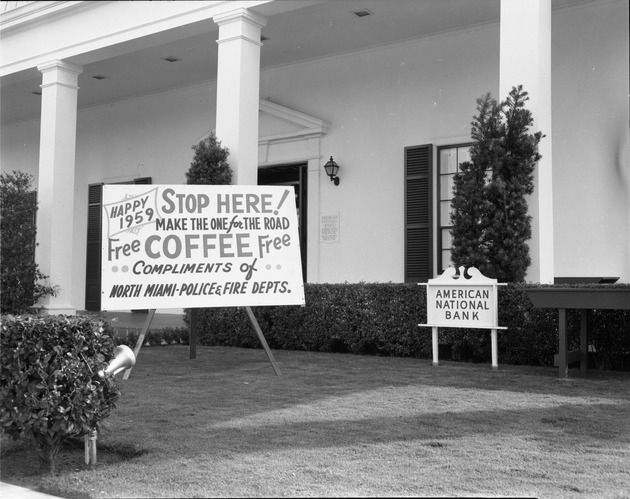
[295, 175]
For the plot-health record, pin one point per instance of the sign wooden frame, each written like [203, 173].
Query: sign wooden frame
[193, 340]
[194, 246]
[454, 300]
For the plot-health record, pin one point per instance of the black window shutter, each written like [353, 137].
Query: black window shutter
[93, 256]
[418, 213]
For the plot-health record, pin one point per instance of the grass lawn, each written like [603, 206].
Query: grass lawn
[339, 425]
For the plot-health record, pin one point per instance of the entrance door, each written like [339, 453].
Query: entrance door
[93, 258]
[295, 175]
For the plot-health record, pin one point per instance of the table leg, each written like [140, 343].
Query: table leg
[584, 318]
[562, 344]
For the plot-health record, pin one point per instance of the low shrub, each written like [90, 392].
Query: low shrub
[383, 318]
[174, 335]
[49, 388]
[153, 337]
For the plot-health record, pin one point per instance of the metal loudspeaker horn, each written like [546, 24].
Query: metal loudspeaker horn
[124, 358]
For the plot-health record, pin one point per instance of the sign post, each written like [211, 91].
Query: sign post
[194, 246]
[456, 301]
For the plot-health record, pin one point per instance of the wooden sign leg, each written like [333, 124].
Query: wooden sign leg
[140, 341]
[434, 344]
[495, 352]
[261, 337]
[192, 333]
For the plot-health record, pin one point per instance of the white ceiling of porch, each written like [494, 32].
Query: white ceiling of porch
[307, 32]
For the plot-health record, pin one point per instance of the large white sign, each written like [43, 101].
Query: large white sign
[190, 246]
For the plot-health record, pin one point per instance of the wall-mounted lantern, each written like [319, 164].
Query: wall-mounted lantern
[331, 170]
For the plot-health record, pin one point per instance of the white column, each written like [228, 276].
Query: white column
[238, 90]
[525, 59]
[55, 191]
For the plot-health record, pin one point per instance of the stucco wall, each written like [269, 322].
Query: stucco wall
[378, 102]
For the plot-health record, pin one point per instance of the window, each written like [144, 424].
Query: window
[449, 159]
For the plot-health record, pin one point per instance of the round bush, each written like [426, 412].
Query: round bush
[49, 388]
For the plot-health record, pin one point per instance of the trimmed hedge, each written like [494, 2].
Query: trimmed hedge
[154, 337]
[383, 318]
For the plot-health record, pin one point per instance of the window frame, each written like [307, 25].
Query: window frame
[440, 200]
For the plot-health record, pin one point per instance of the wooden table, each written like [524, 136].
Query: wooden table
[584, 299]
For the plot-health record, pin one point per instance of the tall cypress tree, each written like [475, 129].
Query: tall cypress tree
[491, 224]
[209, 166]
[469, 203]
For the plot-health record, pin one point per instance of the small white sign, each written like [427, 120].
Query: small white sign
[454, 301]
[329, 227]
[462, 306]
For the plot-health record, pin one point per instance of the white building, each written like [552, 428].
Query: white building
[100, 92]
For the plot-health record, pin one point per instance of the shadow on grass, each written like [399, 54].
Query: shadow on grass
[19, 457]
[431, 429]
[223, 363]
[230, 398]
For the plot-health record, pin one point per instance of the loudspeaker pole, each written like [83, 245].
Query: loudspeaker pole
[140, 341]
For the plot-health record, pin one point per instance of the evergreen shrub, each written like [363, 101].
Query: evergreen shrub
[22, 282]
[209, 165]
[49, 387]
[490, 220]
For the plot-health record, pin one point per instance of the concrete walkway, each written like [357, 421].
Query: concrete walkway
[8, 491]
